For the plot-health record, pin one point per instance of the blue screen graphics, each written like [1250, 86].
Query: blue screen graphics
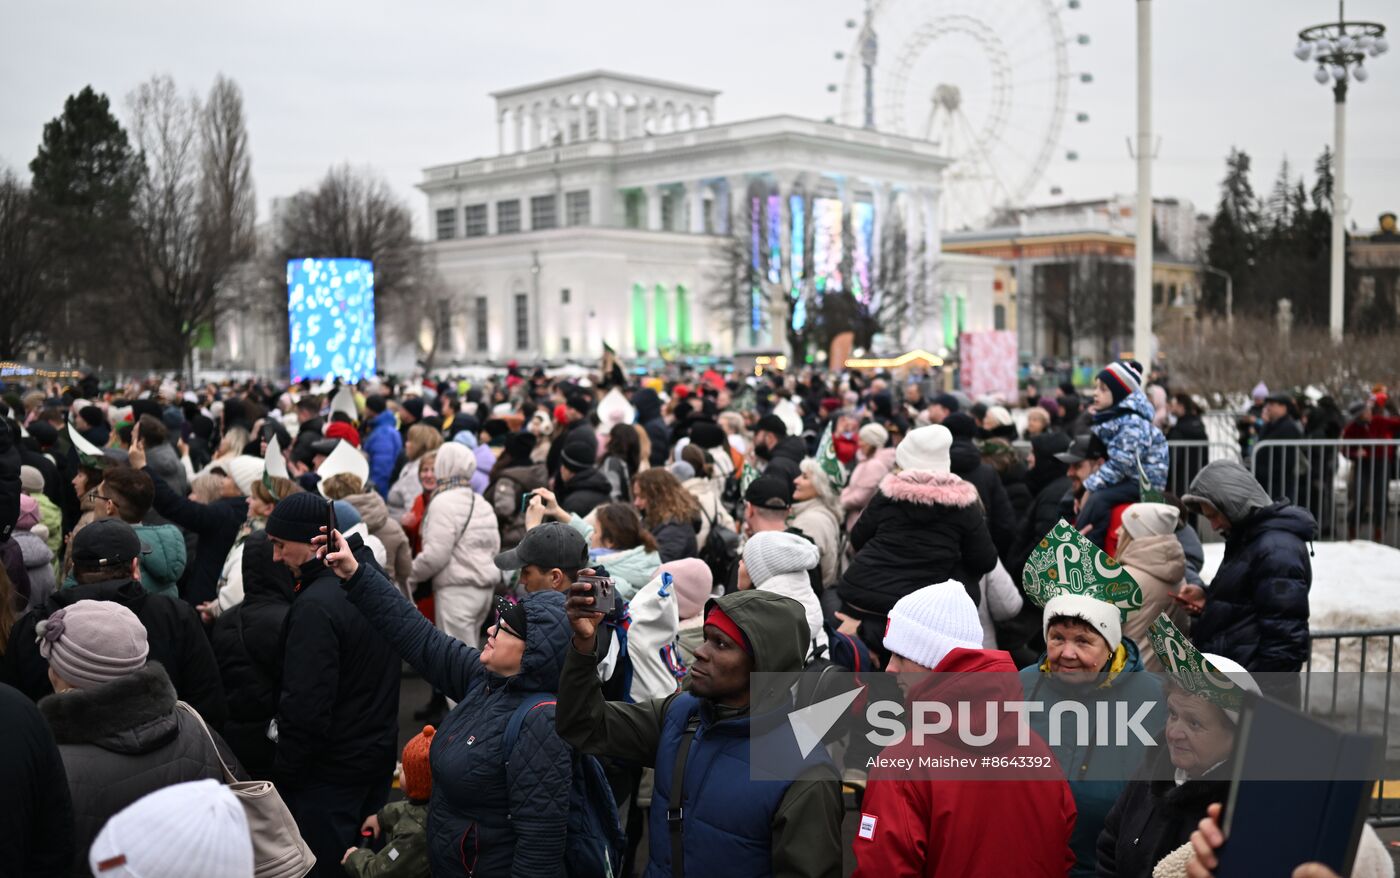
[330, 315]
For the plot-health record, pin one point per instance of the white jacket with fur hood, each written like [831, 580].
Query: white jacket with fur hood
[460, 537]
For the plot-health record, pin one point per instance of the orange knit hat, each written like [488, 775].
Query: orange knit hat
[416, 777]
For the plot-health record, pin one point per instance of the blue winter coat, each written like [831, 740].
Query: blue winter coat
[491, 813]
[1096, 774]
[383, 446]
[1130, 435]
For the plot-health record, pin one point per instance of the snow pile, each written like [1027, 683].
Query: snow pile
[1354, 584]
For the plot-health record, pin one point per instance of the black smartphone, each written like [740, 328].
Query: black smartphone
[330, 524]
[525, 500]
[600, 588]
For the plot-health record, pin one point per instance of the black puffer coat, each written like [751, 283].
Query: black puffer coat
[120, 741]
[173, 630]
[1152, 818]
[1257, 605]
[492, 813]
[968, 464]
[584, 492]
[675, 540]
[248, 645]
[921, 528]
[338, 711]
[38, 841]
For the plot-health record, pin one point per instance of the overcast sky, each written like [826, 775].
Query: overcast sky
[400, 86]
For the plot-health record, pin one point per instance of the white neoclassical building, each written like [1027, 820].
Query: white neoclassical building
[603, 216]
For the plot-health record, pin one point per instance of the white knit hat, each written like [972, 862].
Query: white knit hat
[874, 434]
[1102, 616]
[195, 828]
[244, 469]
[770, 553]
[1150, 519]
[924, 626]
[925, 449]
[999, 414]
[1237, 674]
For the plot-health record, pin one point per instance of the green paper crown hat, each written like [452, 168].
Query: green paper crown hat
[829, 462]
[1190, 668]
[1065, 562]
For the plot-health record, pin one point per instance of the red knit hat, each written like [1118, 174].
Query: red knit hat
[718, 618]
[416, 777]
[342, 430]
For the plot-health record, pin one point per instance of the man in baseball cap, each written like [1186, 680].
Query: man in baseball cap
[107, 549]
[549, 558]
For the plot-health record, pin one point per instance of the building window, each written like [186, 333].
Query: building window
[544, 212]
[482, 336]
[522, 321]
[446, 223]
[564, 296]
[507, 216]
[565, 345]
[668, 211]
[998, 316]
[577, 207]
[442, 333]
[476, 220]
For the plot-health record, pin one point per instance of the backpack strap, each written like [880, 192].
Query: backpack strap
[517, 719]
[675, 813]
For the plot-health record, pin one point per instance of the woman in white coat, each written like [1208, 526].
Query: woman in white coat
[460, 542]
[815, 512]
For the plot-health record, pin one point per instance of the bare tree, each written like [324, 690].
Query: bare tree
[23, 290]
[1084, 296]
[352, 213]
[193, 211]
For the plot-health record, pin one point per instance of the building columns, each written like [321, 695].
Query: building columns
[695, 194]
[653, 208]
[736, 188]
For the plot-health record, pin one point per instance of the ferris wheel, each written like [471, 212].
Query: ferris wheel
[988, 83]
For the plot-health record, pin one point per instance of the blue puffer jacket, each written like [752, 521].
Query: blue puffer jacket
[383, 445]
[1257, 605]
[491, 813]
[1096, 774]
[734, 815]
[1128, 432]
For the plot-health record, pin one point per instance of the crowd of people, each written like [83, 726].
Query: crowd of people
[226, 582]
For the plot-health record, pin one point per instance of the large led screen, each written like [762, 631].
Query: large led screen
[330, 314]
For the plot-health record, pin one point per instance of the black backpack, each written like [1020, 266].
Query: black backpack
[720, 551]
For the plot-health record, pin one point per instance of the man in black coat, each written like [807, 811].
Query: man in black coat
[1278, 465]
[216, 524]
[337, 715]
[107, 567]
[38, 837]
[580, 487]
[968, 465]
[771, 441]
[247, 641]
[578, 405]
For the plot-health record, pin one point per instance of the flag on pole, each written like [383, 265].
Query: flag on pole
[829, 462]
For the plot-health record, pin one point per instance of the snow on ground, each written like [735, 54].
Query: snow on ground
[1355, 584]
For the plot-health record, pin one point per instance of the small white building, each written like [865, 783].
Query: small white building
[603, 216]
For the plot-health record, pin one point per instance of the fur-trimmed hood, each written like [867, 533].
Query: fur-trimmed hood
[134, 714]
[928, 488]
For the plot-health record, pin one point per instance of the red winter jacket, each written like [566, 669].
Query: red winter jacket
[934, 822]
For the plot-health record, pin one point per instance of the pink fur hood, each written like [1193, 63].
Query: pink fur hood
[928, 488]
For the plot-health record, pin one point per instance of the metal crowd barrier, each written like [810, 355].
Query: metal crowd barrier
[1348, 681]
[1347, 484]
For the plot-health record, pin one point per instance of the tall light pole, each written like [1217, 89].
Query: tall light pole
[1142, 245]
[1340, 50]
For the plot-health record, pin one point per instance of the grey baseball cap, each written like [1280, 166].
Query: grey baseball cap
[549, 545]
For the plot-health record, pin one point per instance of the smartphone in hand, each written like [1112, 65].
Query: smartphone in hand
[601, 589]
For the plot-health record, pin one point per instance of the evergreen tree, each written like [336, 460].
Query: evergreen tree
[1234, 238]
[84, 184]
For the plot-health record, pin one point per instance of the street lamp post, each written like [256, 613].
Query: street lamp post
[1340, 49]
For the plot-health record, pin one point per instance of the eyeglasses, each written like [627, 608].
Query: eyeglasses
[97, 496]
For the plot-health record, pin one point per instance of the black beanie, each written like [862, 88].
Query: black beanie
[580, 453]
[297, 518]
